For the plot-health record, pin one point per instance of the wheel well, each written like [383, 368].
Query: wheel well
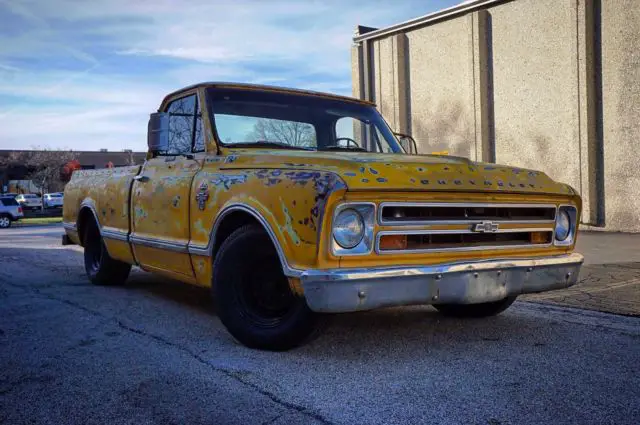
[84, 218]
[229, 224]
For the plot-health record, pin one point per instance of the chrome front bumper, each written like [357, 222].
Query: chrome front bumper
[344, 290]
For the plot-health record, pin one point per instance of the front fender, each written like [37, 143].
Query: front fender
[290, 204]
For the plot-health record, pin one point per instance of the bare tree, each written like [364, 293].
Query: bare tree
[287, 132]
[45, 167]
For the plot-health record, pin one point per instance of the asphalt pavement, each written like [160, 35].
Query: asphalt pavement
[154, 352]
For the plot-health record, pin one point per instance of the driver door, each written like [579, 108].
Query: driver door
[160, 205]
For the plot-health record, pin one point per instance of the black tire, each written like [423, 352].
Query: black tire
[252, 295]
[475, 310]
[5, 221]
[100, 267]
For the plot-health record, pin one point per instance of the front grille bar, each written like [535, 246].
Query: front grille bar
[416, 214]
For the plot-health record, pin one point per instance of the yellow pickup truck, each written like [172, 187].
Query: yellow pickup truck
[292, 203]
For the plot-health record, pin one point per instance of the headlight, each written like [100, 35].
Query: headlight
[563, 225]
[348, 228]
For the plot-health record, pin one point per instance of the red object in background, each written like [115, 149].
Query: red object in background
[109, 164]
[69, 168]
[20, 210]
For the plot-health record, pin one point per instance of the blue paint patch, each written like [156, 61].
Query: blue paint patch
[381, 180]
[302, 177]
[230, 159]
[350, 174]
[372, 171]
[442, 182]
[487, 183]
[276, 173]
[500, 183]
[421, 169]
[458, 182]
[489, 168]
[425, 181]
[365, 180]
[362, 169]
[228, 180]
[473, 182]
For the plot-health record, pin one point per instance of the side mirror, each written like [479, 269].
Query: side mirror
[158, 132]
[408, 143]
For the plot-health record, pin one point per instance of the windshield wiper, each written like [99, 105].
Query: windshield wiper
[267, 143]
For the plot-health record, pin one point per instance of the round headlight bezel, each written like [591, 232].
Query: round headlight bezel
[563, 232]
[341, 228]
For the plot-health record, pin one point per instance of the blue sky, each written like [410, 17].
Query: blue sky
[85, 75]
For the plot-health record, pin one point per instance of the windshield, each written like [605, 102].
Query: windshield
[251, 118]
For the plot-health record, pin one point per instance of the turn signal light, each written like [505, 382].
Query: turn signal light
[393, 242]
[540, 237]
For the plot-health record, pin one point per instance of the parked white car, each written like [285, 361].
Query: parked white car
[53, 200]
[29, 201]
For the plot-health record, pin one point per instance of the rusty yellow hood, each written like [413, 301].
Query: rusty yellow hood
[373, 171]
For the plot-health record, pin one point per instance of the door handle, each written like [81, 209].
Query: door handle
[141, 178]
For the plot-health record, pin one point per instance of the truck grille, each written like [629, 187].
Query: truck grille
[441, 213]
[477, 227]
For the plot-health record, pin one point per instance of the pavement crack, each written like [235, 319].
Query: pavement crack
[230, 373]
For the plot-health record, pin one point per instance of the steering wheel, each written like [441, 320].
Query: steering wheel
[349, 141]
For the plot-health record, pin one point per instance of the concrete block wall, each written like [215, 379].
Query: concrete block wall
[552, 85]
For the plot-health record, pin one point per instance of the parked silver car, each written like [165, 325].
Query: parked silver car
[10, 211]
[29, 201]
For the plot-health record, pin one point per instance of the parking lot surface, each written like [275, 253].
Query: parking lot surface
[155, 352]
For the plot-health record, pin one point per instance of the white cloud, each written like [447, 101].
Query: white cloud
[73, 97]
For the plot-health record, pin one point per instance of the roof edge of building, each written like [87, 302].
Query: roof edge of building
[443, 14]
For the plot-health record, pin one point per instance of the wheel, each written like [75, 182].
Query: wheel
[100, 267]
[5, 221]
[475, 310]
[252, 295]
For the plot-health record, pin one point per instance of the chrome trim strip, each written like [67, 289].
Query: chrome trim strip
[458, 249]
[337, 275]
[197, 249]
[70, 226]
[158, 243]
[115, 234]
[384, 222]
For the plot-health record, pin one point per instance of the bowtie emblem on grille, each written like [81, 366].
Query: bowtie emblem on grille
[203, 195]
[486, 227]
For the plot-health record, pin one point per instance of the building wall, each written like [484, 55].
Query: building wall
[552, 85]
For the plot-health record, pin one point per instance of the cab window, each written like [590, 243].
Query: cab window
[185, 126]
